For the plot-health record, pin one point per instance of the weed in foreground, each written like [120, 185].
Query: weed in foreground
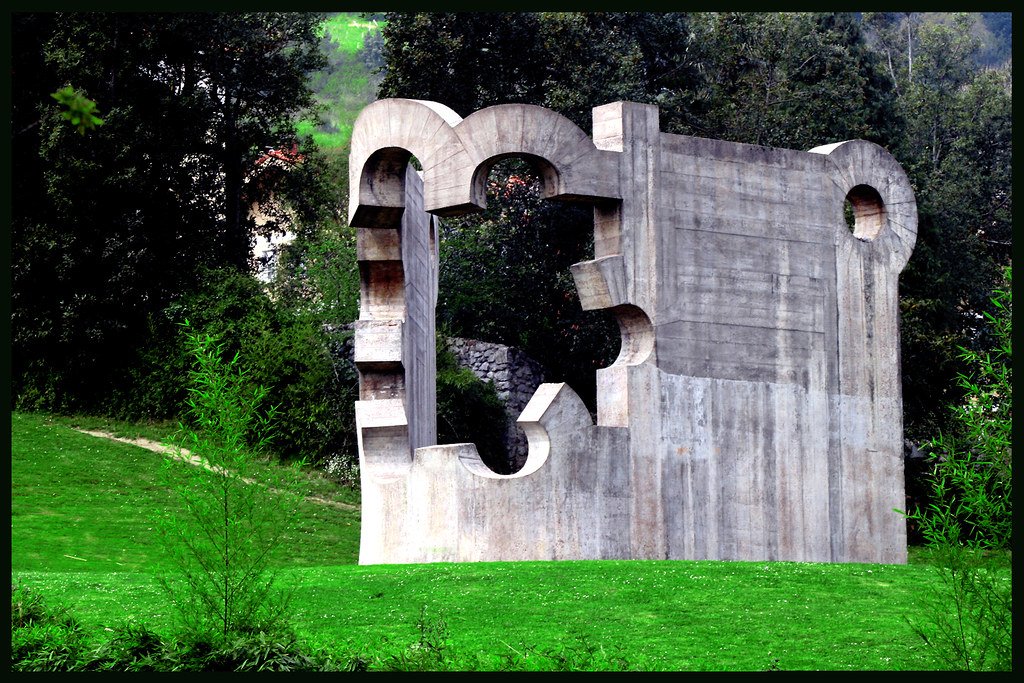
[221, 544]
[43, 637]
[431, 652]
[579, 655]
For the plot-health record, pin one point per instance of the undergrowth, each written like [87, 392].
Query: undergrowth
[46, 637]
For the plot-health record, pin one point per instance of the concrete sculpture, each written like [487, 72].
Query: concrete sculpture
[754, 411]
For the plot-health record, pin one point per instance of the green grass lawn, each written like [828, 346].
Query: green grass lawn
[81, 536]
[81, 503]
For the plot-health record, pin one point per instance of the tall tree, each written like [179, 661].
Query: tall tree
[112, 227]
[473, 60]
[793, 80]
[956, 146]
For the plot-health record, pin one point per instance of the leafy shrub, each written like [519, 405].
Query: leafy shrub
[580, 655]
[291, 355]
[259, 651]
[43, 638]
[318, 275]
[132, 647]
[29, 607]
[314, 390]
[433, 650]
[46, 639]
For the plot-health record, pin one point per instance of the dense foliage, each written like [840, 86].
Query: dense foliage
[469, 410]
[517, 254]
[969, 523]
[46, 637]
[120, 233]
[956, 146]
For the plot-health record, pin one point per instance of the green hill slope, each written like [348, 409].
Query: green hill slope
[351, 44]
[81, 536]
[85, 504]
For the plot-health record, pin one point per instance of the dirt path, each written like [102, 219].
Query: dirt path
[186, 456]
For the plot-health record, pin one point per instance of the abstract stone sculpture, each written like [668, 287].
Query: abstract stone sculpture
[754, 411]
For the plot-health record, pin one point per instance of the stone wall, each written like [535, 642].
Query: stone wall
[514, 375]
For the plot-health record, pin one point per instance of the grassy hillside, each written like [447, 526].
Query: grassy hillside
[348, 83]
[81, 536]
[80, 503]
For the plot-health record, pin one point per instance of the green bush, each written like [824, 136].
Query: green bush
[313, 388]
[968, 524]
[46, 639]
[432, 650]
[469, 411]
[132, 647]
[259, 651]
[43, 637]
[579, 655]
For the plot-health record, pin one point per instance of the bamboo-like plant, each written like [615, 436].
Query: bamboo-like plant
[968, 524]
[227, 525]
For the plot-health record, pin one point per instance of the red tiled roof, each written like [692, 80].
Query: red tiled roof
[290, 156]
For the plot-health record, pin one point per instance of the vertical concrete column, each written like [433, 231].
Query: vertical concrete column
[867, 478]
[627, 392]
[419, 259]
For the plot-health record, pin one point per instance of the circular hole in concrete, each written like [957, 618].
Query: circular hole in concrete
[864, 212]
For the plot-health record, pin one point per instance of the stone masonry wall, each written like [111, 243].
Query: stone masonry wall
[514, 375]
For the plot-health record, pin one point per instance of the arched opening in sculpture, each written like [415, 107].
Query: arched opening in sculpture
[505, 279]
[574, 344]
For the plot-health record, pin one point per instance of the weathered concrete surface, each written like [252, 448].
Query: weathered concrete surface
[755, 409]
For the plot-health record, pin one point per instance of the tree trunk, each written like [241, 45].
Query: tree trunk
[236, 237]
[910, 52]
